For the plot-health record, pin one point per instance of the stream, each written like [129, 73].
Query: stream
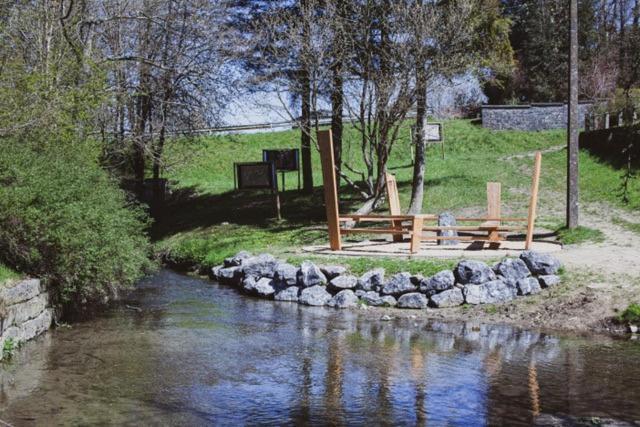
[185, 351]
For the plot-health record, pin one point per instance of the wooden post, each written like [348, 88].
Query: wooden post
[416, 233]
[394, 204]
[494, 200]
[533, 204]
[330, 189]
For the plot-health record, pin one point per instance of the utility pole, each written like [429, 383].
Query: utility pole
[572, 122]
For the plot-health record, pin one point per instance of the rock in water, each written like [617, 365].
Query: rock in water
[371, 298]
[310, 275]
[315, 295]
[473, 272]
[539, 263]
[342, 282]
[413, 300]
[448, 298]
[264, 288]
[332, 271]
[263, 265]
[372, 280]
[399, 284]
[286, 274]
[528, 286]
[230, 275]
[344, 299]
[446, 219]
[389, 301]
[512, 269]
[489, 293]
[437, 283]
[237, 259]
[287, 294]
[549, 280]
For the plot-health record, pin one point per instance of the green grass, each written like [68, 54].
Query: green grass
[628, 225]
[572, 236]
[7, 274]
[631, 314]
[192, 228]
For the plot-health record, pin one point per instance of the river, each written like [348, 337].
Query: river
[184, 351]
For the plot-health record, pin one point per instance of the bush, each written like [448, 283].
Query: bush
[631, 314]
[63, 218]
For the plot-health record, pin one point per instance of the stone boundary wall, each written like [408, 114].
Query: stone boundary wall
[25, 311]
[531, 117]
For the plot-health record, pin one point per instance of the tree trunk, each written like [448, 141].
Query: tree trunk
[572, 122]
[305, 135]
[337, 96]
[417, 185]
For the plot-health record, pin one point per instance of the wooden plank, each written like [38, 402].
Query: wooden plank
[325, 143]
[347, 217]
[474, 228]
[461, 238]
[373, 231]
[533, 203]
[506, 219]
[416, 235]
[494, 196]
[394, 203]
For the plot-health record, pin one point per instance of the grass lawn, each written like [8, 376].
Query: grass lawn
[207, 221]
[7, 274]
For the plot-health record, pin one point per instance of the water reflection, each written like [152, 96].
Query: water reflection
[200, 354]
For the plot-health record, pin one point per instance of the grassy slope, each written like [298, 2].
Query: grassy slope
[192, 229]
[7, 274]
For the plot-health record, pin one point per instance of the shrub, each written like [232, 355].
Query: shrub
[63, 218]
[631, 314]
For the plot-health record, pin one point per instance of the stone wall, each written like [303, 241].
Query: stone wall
[533, 117]
[25, 311]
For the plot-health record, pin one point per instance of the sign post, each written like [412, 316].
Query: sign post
[258, 175]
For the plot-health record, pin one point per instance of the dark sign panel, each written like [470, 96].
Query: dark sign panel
[433, 132]
[255, 175]
[285, 160]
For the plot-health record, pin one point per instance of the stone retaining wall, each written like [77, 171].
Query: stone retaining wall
[25, 311]
[533, 117]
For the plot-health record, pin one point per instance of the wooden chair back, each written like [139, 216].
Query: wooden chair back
[325, 142]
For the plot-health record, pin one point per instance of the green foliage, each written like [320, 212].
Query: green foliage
[358, 266]
[62, 218]
[631, 314]
[6, 274]
[8, 348]
[581, 234]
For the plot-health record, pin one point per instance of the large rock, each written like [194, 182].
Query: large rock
[540, 263]
[446, 219]
[389, 301]
[372, 280]
[371, 298]
[315, 295]
[437, 283]
[263, 287]
[448, 298]
[332, 271]
[286, 274]
[512, 270]
[528, 286]
[473, 272]
[230, 275]
[344, 299]
[489, 293]
[399, 284]
[310, 275]
[287, 294]
[361, 292]
[21, 291]
[549, 280]
[340, 283]
[237, 259]
[263, 265]
[413, 300]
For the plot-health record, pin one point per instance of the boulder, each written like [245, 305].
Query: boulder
[473, 272]
[448, 298]
[286, 274]
[264, 288]
[314, 295]
[344, 299]
[437, 283]
[361, 292]
[446, 219]
[540, 263]
[287, 294]
[512, 270]
[413, 300]
[528, 286]
[416, 279]
[310, 275]
[237, 259]
[332, 271]
[549, 280]
[213, 273]
[388, 301]
[230, 275]
[263, 265]
[491, 292]
[372, 280]
[340, 283]
[399, 284]
[372, 298]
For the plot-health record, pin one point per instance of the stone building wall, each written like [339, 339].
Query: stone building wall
[533, 117]
[25, 311]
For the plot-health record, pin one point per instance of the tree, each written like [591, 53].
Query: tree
[572, 124]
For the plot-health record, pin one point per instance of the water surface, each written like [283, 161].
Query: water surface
[191, 352]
